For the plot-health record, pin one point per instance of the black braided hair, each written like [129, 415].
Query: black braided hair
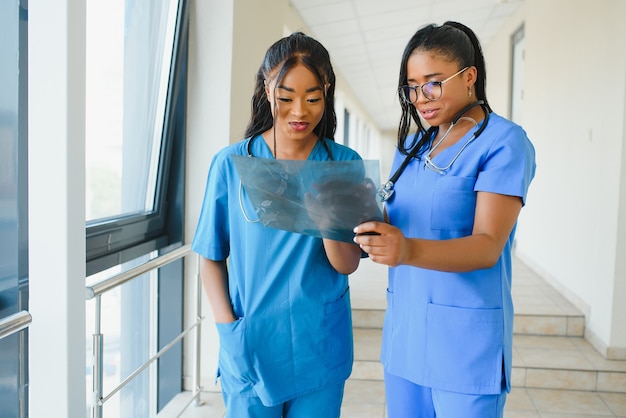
[454, 41]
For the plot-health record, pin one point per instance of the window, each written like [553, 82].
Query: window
[127, 79]
[133, 85]
[13, 204]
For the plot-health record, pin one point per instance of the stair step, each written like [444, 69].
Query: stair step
[539, 361]
[569, 363]
[368, 318]
[555, 324]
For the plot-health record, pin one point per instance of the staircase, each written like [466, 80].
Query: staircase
[549, 351]
[556, 372]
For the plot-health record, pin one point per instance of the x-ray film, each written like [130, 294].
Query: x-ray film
[319, 198]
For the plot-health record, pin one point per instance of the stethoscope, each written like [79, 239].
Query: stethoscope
[249, 152]
[387, 189]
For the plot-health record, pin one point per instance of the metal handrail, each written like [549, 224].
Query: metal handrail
[147, 363]
[96, 290]
[105, 285]
[14, 323]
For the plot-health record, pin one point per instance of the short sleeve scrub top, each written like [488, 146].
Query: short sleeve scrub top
[453, 331]
[293, 334]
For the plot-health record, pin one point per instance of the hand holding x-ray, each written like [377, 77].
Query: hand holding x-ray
[320, 198]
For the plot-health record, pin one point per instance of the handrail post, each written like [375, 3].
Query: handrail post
[96, 290]
[97, 363]
[197, 388]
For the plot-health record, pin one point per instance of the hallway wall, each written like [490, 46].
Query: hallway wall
[572, 231]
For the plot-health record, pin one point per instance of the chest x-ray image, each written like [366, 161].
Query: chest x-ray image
[319, 198]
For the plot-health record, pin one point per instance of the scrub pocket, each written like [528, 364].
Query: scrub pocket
[454, 204]
[464, 349]
[337, 332]
[234, 361]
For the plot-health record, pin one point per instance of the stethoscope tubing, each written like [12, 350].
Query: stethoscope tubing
[387, 189]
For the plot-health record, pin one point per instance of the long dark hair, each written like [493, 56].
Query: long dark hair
[286, 53]
[457, 43]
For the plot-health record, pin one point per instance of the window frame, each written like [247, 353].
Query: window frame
[14, 392]
[115, 240]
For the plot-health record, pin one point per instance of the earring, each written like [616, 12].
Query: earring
[469, 92]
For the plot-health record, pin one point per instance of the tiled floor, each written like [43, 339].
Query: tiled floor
[557, 374]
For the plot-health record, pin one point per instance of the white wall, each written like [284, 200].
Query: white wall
[56, 152]
[208, 130]
[617, 347]
[574, 107]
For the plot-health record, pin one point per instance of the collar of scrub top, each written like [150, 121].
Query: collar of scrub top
[387, 189]
[249, 147]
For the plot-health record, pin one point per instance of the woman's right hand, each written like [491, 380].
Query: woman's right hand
[384, 243]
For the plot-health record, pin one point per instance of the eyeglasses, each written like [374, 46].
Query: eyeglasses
[432, 90]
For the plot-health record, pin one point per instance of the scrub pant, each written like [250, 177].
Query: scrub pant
[405, 399]
[322, 403]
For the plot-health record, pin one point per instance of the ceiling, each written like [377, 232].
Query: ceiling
[366, 39]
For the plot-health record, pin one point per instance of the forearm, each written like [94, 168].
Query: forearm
[494, 220]
[454, 255]
[343, 256]
[214, 276]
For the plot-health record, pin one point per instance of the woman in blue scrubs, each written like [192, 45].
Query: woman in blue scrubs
[452, 205]
[280, 299]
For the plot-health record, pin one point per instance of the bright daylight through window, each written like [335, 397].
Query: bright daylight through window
[129, 50]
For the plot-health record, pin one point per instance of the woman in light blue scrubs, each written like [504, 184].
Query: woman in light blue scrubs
[452, 204]
[280, 299]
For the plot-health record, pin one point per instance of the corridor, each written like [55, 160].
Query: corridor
[556, 373]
